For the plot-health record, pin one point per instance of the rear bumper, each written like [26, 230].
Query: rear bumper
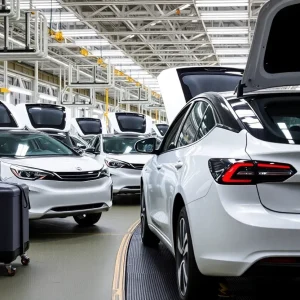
[232, 232]
[126, 181]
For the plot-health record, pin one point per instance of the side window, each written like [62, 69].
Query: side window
[170, 138]
[188, 134]
[207, 123]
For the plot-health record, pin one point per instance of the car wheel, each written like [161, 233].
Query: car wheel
[190, 282]
[149, 239]
[87, 219]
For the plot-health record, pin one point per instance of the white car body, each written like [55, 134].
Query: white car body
[126, 172]
[72, 176]
[233, 164]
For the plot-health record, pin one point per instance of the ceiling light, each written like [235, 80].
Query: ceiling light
[232, 51]
[107, 53]
[225, 15]
[79, 33]
[221, 3]
[230, 41]
[233, 59]
[131, 36]
[39, 4]
[227, 30]
[61, 17]
[194, 21]
[91, 42]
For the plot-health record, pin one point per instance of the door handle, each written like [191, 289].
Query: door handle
[178, 165]
[159, 167]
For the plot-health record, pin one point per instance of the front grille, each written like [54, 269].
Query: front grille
[77, 207]
[138, 166]
[78, 176]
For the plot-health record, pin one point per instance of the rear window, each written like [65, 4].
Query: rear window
[46, 116]
[162, 128]
[6, 119]
[90, 125]
[271, 120]
[131, 122]
[198, 82]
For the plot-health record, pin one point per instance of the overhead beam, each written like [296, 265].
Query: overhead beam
[132, 2]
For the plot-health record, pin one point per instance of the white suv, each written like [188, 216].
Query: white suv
[222, 191]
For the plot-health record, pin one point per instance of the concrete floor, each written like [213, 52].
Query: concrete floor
[68, 262]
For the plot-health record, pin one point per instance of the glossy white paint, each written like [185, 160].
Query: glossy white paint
[48, 194]
[255, 76]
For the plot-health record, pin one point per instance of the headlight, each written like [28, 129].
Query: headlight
[29, 173]
[113, 163]
[104, 172]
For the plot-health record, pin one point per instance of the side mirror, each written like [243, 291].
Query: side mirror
[146, 146]
[92, 151]
[171, 146]
[80, 146]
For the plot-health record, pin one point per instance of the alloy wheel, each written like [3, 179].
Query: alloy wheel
[182, 247]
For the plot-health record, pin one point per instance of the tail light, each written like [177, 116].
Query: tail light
[232, 171]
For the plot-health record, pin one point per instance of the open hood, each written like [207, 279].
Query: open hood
[45, 117]
[179, 85]
[274, 59]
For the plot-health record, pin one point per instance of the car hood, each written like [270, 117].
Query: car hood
[131, 158]
[274, 55]
[57, 164]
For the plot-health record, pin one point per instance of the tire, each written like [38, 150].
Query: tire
[87, 220]
[149, 239]
[190, 282]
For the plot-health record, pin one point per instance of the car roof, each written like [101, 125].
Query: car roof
[125, 135]
[22, 131]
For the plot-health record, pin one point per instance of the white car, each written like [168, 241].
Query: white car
[62, 183]
[222, 192]
[124, 162]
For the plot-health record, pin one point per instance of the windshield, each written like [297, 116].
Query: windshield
[119, 145]
[31, 145]
[162, 128]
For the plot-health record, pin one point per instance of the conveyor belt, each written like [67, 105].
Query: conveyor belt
[150, 275]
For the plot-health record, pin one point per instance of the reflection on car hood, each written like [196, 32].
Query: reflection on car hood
[57, 164]
[131, 158]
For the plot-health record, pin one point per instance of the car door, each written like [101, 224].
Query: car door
[161, 177]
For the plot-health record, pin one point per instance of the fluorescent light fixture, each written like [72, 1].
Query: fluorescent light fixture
[221, 3]
[94, 42]
[230, 41]
[227, 30]
[128, 68]
[225, 15]
[79, 33]
[63, 17]
[195, 21]
[16, 89]
[39, 4]
[131, 36]
[232, 51]
[233, 59]
[47, 97]
[108, 53]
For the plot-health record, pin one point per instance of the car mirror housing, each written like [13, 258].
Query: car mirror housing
[92, 151]
[146, 146]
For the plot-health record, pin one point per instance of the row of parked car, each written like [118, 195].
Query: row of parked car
[39, 149]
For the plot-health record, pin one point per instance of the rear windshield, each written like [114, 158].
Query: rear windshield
[46, 116]
[131, 122]
[90, 125]
[6, 120]
[194, 84]
[119, 145]
[274, 120]
[162, 128]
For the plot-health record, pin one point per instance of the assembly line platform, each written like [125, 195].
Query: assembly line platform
[151, 275]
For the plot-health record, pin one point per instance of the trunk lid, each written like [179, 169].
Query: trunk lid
[274, 56]
[179, 85]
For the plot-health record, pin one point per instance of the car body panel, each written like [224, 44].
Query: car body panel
[270, 62]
